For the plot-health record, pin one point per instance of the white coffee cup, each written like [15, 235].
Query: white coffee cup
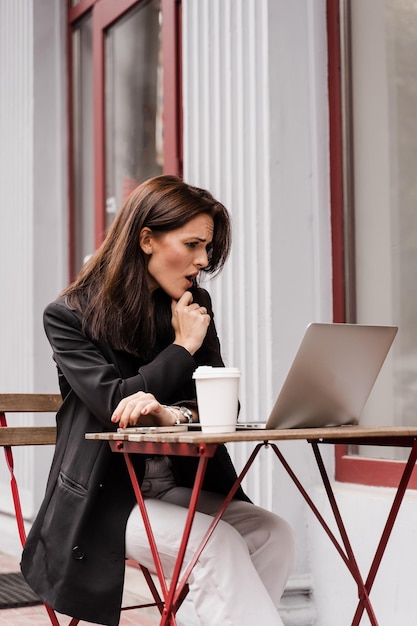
[217, 398]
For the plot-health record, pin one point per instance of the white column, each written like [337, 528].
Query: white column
[33, 251]
[256, 135]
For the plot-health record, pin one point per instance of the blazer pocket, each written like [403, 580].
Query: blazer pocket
[72, 485]
[62, 526]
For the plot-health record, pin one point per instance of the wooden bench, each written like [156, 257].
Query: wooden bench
[11, 436]
[27, 403]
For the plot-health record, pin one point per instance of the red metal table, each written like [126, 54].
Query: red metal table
[203, 446]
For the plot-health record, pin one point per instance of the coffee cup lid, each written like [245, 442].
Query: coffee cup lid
[207, 371]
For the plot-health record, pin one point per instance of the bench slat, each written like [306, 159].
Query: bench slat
[27, 435]
[29, 402]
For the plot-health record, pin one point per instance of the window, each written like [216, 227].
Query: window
[124, 108]
[374, 200]
[82, 158]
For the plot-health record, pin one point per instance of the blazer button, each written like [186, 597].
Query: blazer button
[78, 553]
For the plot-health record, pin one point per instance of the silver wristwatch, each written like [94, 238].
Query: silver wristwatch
[187, 414]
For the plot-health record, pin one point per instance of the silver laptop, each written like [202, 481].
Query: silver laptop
[331, 376]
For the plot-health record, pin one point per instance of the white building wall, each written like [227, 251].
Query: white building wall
[16, 183]
[33, 218]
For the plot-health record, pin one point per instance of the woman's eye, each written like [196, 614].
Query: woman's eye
[192, 244]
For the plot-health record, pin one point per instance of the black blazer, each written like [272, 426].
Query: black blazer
[74, 557]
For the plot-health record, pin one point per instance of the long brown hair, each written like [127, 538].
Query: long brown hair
[111, 291]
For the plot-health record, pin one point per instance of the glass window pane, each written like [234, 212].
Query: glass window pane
[384, 75]
[83, 157]
[133, 102]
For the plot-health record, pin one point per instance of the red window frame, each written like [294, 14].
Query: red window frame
[104, 14]
[352, 469]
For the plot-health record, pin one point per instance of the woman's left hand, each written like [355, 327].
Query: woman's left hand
[142, 408]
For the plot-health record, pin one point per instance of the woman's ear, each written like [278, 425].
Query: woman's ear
[145, 240]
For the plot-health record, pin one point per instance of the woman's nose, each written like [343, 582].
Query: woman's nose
[202, 259]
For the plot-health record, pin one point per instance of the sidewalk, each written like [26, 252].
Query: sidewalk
[135, 592]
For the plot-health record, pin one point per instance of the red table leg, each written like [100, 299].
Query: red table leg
[402, 487]
[363, 590]
[220, 512]
[347, 555]
[174, 593]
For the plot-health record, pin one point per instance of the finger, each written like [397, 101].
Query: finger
[194, 306]
[117, 413]
[145, 408]
[130, 415]
[186, 299]
[127, 414]
[120, 410]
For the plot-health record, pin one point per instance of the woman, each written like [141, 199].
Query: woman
[126, 337]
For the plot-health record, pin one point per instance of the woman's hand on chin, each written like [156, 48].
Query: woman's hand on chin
[190, 322]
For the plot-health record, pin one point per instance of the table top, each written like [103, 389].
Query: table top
[385, 435]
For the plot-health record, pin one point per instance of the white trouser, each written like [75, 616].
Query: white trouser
[242, 571]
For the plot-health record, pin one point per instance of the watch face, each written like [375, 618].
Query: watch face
[187, 413]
